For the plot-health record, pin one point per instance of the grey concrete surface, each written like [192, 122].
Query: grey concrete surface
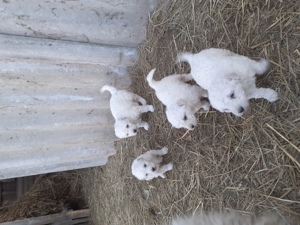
[54, 58]
[110, 22]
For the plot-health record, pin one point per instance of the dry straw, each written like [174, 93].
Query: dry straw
[247, 164]
[51, 193]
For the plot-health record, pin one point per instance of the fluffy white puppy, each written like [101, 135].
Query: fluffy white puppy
[126, 108]
[228, 218]
[229, 78]
[182, 100]
[147, 166]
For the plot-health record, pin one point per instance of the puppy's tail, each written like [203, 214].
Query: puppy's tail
[184, 57]
[109, 88]
[150, 80]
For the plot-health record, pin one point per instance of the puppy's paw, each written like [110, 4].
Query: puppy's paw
[146, 126]
[169, 166]
[150, 108]
[164, 150]
[162, 176]
[205, 105]
[186, 77]
[272, 95]
[142, 101]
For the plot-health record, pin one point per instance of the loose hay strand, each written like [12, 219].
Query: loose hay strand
[272, 128]
[290, 156]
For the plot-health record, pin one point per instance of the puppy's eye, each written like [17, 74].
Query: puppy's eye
[146, 174]
[232, 96]
[185, 117]
[127, 126]
[145, 165]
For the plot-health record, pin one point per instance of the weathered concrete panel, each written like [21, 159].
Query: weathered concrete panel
[53, 116]
[54, 58]
[64, 51]
[113, 22]
[46, 160]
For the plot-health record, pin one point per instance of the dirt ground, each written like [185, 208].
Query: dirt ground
[248, 164]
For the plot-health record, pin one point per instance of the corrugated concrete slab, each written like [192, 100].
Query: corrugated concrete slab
[110, 22]
[53, 116]
[54, 58]
[64, 51]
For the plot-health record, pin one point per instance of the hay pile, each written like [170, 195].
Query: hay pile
[51, 193]
[247, 164]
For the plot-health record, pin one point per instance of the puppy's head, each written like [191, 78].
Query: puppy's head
[228, 95]
[144, 169]
[181, 116]
[124, 128]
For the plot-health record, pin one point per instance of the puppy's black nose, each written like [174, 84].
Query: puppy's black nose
[241, 109]
[192, 126]
[134, 130]
[153, 169]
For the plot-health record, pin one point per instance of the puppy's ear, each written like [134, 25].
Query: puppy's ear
[231, 78]
[181, 102]
[140, 159]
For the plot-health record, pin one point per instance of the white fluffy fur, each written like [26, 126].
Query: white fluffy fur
[229, 78]
[147, 166]
[126, 108]
[182, 100]
[228, 218]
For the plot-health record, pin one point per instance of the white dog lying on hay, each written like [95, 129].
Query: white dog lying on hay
[147, 166]
[182, 100]
[228, 218]
[126, 108]
[229, 78]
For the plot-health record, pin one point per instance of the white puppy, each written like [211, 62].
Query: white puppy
[182, 100]
[229, 78]
[228, 218]
[126, 108]
[147, 166]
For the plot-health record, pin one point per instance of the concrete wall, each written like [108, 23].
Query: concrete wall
[54, 58]
[109, 22]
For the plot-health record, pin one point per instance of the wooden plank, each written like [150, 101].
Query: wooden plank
[20, 187]
[78, 213]
[43, 220]
[66, 222]
[0, 193]
[80, 221]
[8, 197]
[24, 184]
[8, 180]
